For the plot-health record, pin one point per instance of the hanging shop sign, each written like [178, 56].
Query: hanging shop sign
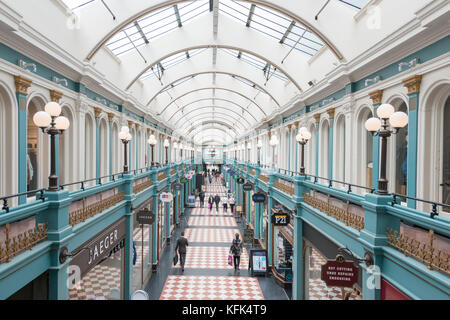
[240, 181]
[145, 216]
[247, 187]
[177, 187]
[184, 180]
[192, 172]
[236, 176]
[166, 197]
[101, 246]
[259, 197]
[188, 176]
[339, 273]
[280, 219]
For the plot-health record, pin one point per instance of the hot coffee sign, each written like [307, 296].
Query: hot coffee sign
[339, 273]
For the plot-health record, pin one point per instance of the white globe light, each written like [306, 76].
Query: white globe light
[166, 143]
[373, 124]
[385, 111]
[53, 109]
[302, 130]
[307, 135]
[125, 129]
[259, 144]
[398, 119]
[152, 140]
[123, 135]
[129, 137]
[42, 119]
[62, 123]
[175, 145]
[299, 137]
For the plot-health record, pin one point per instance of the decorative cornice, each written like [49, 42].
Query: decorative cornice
[110, 116]
[55, 96]
[376, 97]
[413, 84]
[22, 84]
[97, 112]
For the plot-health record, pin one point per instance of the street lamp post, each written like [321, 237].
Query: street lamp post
[166, 146]
[259, 145]
[125, 136]
[152, 142]
[52, 123]
[273, 142]
[379, 126]
[303, 137]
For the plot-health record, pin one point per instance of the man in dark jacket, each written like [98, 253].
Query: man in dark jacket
[216, 201]
[202, 198]
[235, 249]
[182, 243]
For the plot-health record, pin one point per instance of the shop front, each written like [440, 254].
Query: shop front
[282, 248]
[172, 212]
[100, 263]
[142, 249]
[263, 221]
[317, 249]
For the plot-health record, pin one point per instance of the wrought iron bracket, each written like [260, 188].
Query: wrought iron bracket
[368, 257]
[64, 253]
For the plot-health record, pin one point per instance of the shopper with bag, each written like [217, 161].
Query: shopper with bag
[210, 202]
[182, 243]
[235, 249]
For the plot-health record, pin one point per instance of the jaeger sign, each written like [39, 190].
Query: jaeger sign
[100, 246]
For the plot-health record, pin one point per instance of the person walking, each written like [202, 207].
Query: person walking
[182, 243]
[225, 204]
[217, 201]
[202, 199]
[232, 202]
[210, 202]
[235, 249]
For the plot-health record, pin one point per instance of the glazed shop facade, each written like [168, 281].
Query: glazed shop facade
[87, 243]
[327, 224]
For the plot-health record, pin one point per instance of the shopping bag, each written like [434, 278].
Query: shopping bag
[230, 260]
[175, 259]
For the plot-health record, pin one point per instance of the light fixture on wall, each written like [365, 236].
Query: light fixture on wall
[373, 80]
[410, 64]
[125, 136]
[60, 81]
[152, 142]
[52, 123]
[25, 65]
[303, 137]
[379, 126]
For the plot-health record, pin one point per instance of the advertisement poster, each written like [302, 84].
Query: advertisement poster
[259, 260]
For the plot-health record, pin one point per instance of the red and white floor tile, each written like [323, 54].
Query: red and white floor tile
[139, 254]
[97, 284]
[206, 212]
[211, 235]
[318, 290]
[211, 258]
[137, 234]
[211, 288]
[212, 221]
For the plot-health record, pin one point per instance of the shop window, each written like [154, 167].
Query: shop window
[142, 259]
[34, 290]
[445, 184]
[283, 256]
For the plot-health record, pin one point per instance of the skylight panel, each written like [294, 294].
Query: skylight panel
[356, 4]
[193, 10]
[75, 4]
[273, 24]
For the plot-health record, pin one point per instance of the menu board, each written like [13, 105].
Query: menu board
[258, 262]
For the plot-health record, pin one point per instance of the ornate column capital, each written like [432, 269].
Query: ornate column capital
[130, 124]
[22, 84]
[97, 112]
[297, 124]
[376, 97]
[331, 112]
[317, 117]
[110, 116]
[413, 84]
[149, 131]
[55, 96]
[137, 125]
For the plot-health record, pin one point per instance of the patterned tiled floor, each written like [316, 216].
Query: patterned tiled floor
[211, 258]
[211, 235]
[212, 221]
[211, 288]
[97, 284]
[211, 227]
